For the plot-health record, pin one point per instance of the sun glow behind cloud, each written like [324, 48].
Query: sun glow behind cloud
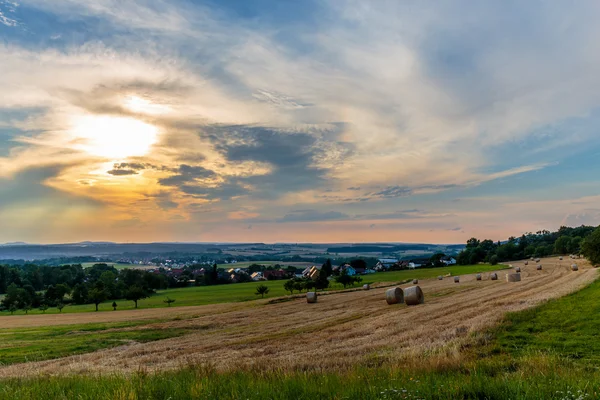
[113, 137]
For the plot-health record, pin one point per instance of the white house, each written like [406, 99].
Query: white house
[449, 260]
[385, 263]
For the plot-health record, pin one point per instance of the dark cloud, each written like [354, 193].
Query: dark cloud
[457, 229]
[123, 169]
[296, 158]
[121, 172]
[354, 188]
[187, 174]
[224, 191]
[29, 187]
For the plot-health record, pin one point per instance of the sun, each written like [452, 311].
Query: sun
[114, 137]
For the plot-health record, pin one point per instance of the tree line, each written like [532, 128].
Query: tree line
[31, 286]
[566, 240]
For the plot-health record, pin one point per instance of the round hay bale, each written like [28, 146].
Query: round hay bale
[494, 276]
[532, 258]
[440, 278]
[537, 260]
[518, 269]
[394, 296]
[526, 262]
[413, 296]
[574, 267]
[513, 277]
[311, 297]
[456, 279]
[366, 286]
[560, 258]
[415, 281]
[539, 267]
[478, 277]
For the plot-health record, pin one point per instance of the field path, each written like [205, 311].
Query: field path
[339, 331]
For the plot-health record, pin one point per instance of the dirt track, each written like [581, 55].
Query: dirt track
[339, 331]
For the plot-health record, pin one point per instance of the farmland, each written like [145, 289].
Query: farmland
[460, 343]
[241, 292]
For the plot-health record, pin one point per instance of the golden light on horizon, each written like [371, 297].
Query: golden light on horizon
[114, 137]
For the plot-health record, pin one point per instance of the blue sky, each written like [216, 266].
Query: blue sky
[315, 121]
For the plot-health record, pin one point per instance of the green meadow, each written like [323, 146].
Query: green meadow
[48, 342]
[239, 292]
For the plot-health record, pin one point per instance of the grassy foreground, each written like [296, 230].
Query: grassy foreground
[239, 292]
[44, 343]
[529, 356]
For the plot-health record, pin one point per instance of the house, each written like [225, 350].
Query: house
[418, 262]
[385, 263]
[349, 270]
[257, 276]
[312, 272]
[449, 260]
[275, 274]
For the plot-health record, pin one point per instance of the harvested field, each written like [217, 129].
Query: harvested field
[340, 331]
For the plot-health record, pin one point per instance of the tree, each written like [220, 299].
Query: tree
[322, 282]
[27, 307]
[114, 306]
[590, 247]
[12, 309]
[60, 307]
[562, 245]
[43, 308]
[289, 286]
[327, 268]
[135, 293]
[169, 300]
[436, 259]
[347, 280]
[494, 260]
[262, 290]
[80, 293]
[96, 296]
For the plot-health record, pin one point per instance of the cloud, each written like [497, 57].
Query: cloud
[187, 174]
[312, 215]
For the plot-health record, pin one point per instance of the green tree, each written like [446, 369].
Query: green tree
[562, 245]
[60, 307]
[169, 300]
[96, 296]
[289, 286]
[43, 308]
[590, 247]
[494, 260]
[135, 293]
[27, 307]
[262, 290]
[80, 293]
[327, 268]
[114, 306]
[12, 309]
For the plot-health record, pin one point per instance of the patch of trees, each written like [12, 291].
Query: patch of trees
[33, 286]
[565, 240]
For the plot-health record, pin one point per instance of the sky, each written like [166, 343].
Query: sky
[297, 121]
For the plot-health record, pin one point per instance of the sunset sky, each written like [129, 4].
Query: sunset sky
[297, 121]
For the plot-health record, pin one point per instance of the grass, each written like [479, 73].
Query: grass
[549, 352]
[43, 343]
[116, 265]
[567, 327]
[246, 264]
[239, 292]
